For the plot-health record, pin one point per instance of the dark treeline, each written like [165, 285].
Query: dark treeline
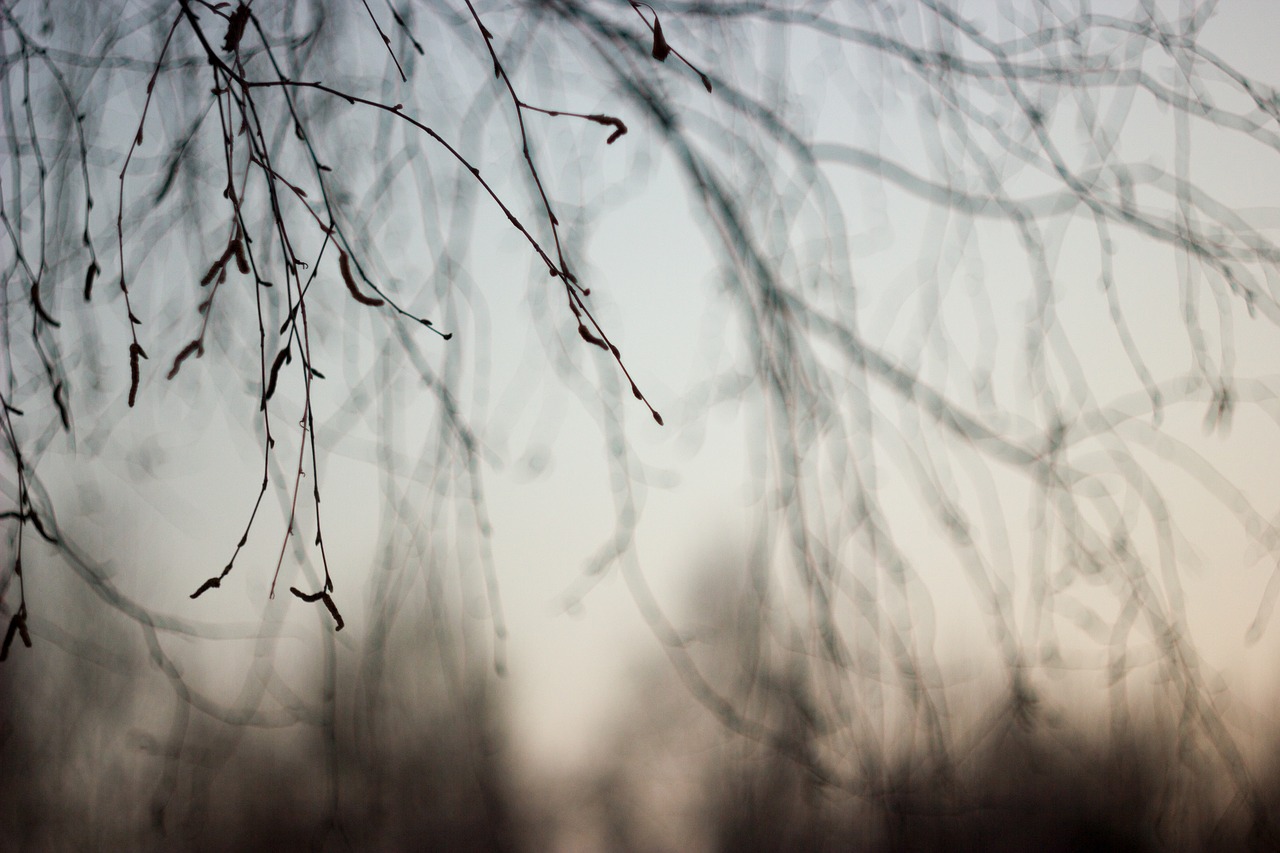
[425, 763]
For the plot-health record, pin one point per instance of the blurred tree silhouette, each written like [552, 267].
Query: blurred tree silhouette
[296, 198]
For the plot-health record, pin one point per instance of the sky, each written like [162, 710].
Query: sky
[656, 281]
[161, 492]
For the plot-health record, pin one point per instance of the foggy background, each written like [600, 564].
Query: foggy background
[959, 531]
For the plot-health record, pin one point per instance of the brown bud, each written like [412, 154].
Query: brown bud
[660, 47]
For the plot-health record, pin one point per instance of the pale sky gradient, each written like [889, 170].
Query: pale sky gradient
[547, 460]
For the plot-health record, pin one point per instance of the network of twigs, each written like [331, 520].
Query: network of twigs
[242, 64]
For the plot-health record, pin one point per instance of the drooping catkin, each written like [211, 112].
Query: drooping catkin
[135, 352]
[344, 265]
[193, 347]
[242, 261]
[280, 359]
